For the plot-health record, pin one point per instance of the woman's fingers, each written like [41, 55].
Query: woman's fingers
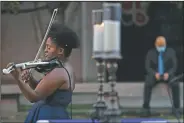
[25, 76]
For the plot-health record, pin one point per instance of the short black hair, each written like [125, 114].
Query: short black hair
[64, 37]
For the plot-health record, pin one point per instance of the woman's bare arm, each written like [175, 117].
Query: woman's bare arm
[32, 83]
[46, 86]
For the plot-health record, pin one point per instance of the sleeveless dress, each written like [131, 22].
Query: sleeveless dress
[53, 107]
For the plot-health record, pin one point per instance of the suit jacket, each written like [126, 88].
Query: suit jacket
[169, 59]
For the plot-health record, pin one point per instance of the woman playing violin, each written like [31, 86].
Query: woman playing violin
[53, 92]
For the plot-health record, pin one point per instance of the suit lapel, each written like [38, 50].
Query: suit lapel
[165, 56]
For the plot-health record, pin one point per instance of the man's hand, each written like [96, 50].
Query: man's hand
[166, 76]
[157, 76]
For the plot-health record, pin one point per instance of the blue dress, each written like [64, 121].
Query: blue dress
[53, 107]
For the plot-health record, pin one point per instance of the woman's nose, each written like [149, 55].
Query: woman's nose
[45, 50]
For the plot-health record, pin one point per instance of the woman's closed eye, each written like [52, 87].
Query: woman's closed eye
[47, 47]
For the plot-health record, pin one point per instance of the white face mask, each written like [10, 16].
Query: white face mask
[161, 49]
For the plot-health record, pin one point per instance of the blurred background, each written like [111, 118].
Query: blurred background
[23, 25]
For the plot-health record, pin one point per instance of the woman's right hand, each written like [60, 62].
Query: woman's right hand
[25, 75]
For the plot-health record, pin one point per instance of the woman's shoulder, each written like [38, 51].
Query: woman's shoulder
[63, 71]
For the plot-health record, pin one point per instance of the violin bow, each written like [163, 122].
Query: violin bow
[46, 34]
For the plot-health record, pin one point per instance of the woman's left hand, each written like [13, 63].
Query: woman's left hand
[15, 73]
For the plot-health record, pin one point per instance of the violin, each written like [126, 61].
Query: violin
[38, 64]
[48, 66]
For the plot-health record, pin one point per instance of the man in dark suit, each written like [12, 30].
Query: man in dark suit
[161, 65]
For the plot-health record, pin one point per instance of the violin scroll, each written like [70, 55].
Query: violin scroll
[7, 71]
